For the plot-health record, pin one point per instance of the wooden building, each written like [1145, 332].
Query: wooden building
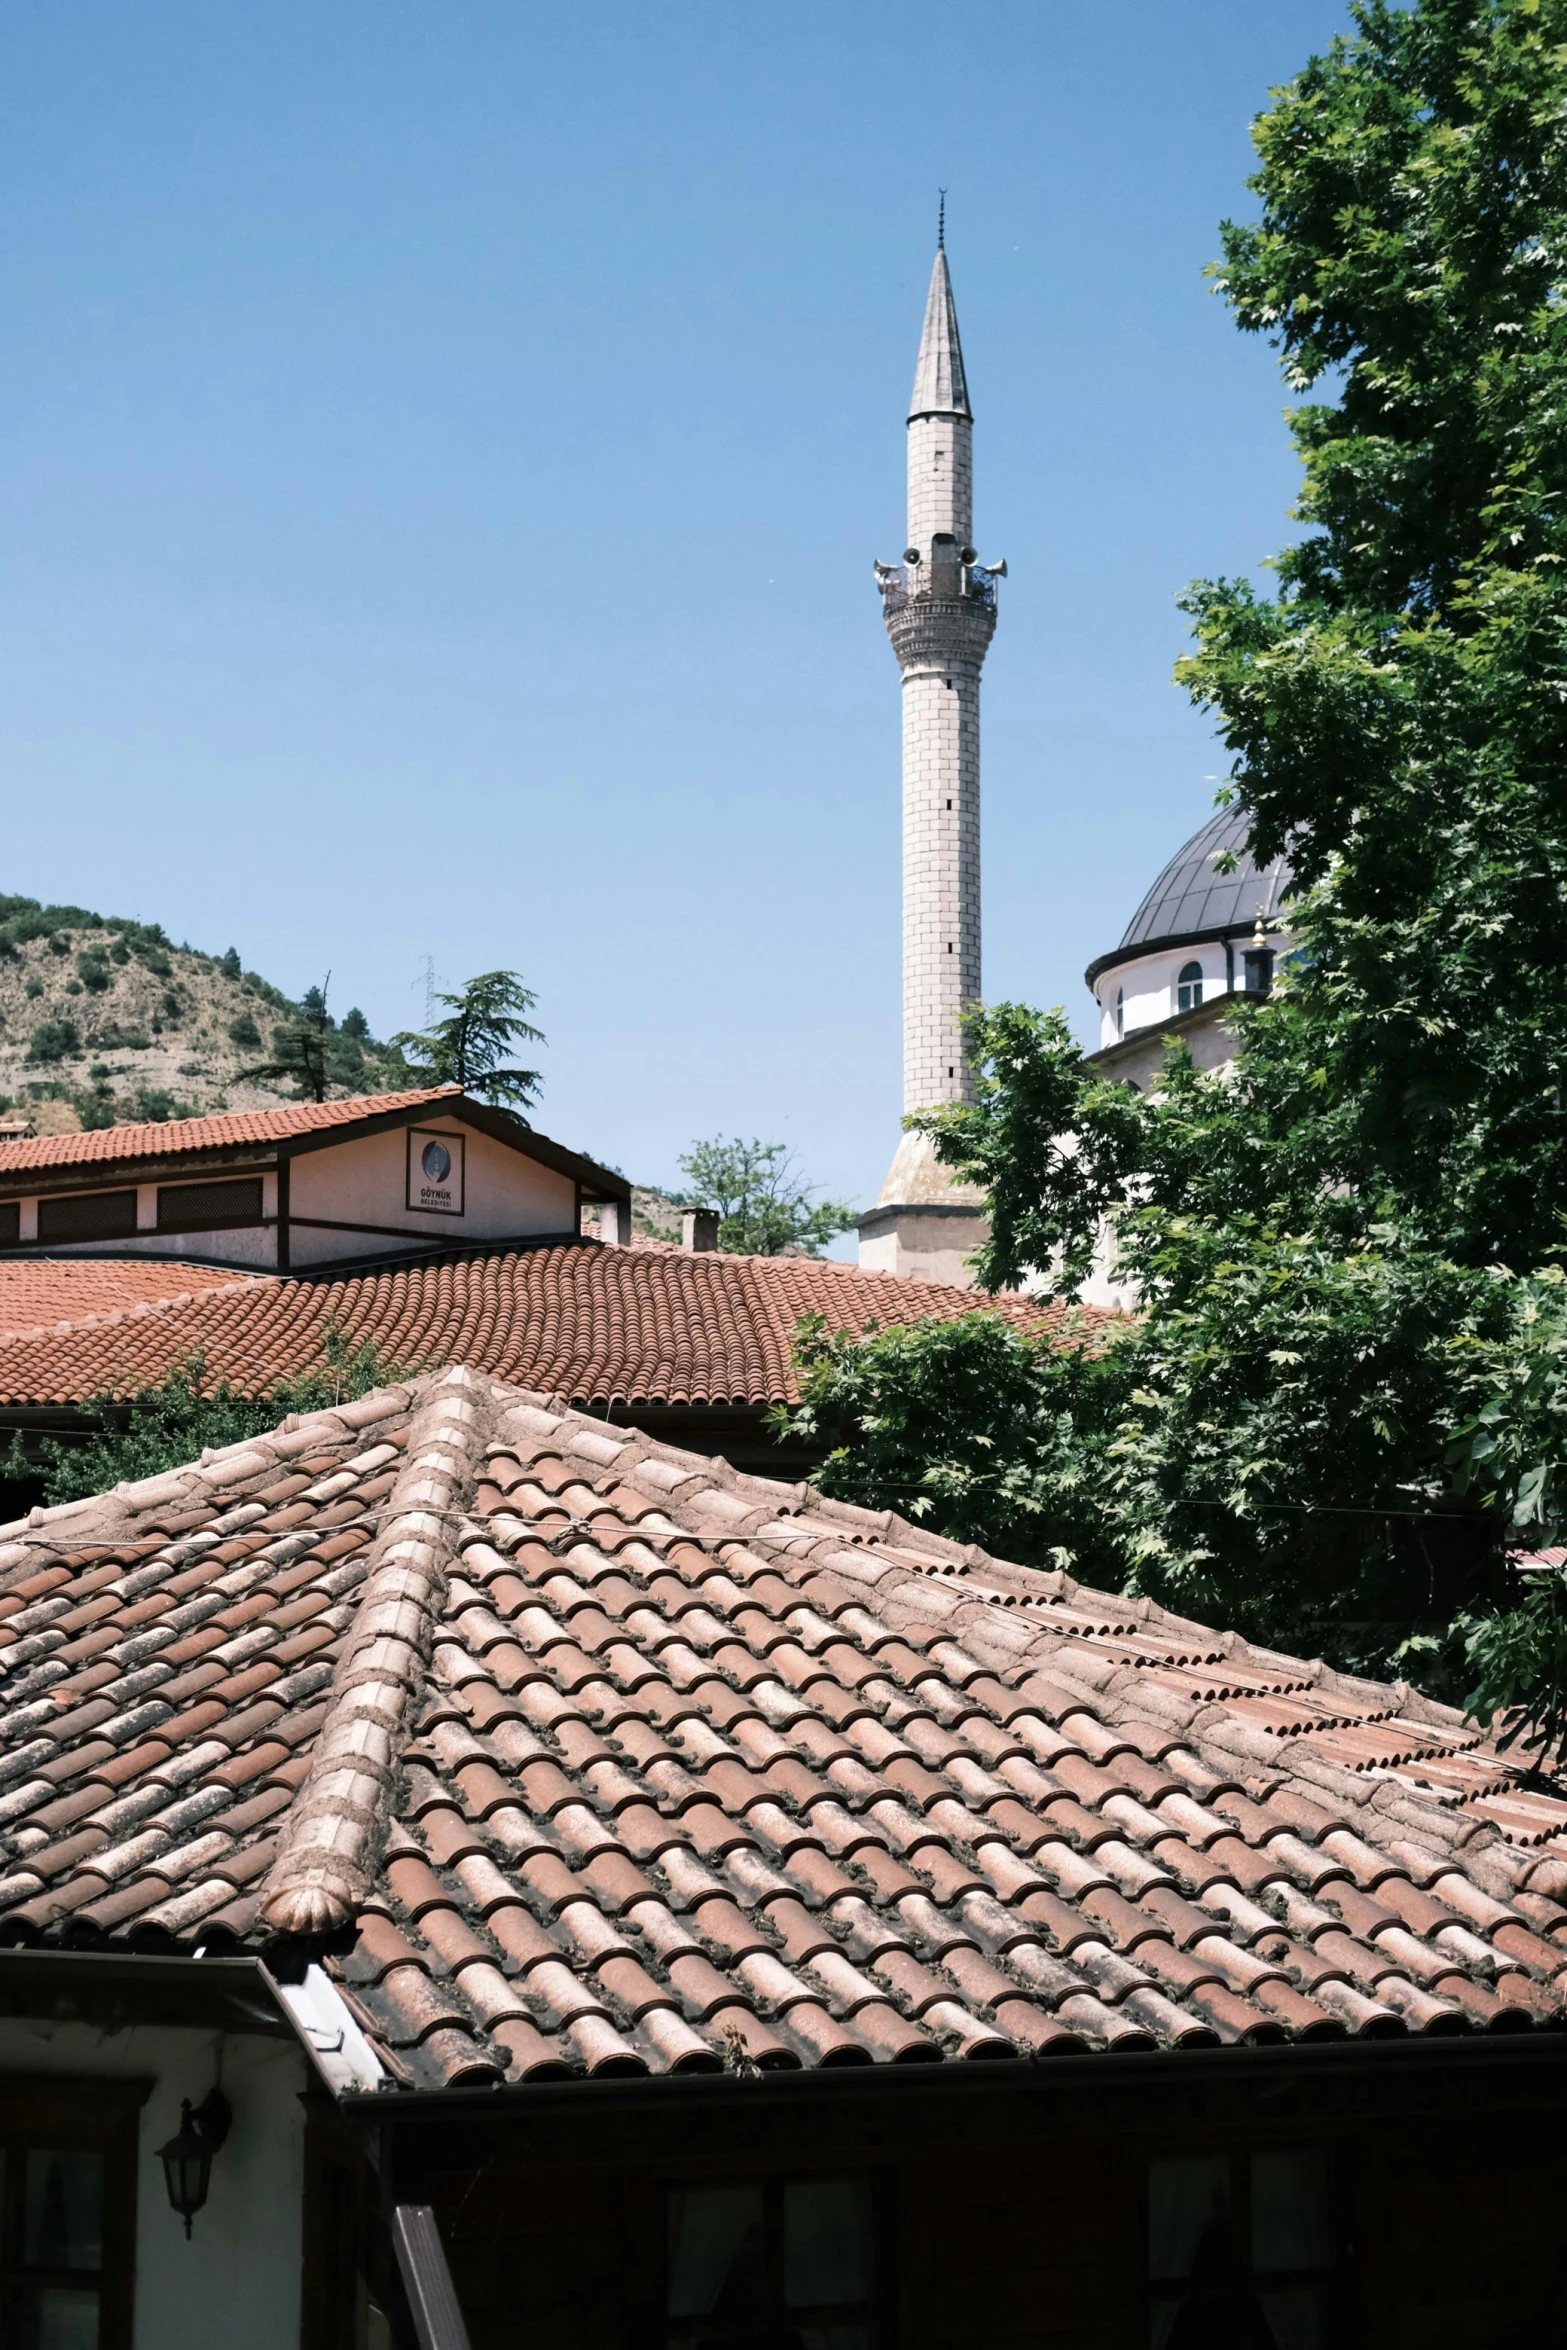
[616, 1900]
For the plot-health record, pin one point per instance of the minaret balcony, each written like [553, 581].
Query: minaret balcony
[926, 628]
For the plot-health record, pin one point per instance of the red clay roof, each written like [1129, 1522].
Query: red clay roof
[39, 1293]
[226, 1130]
[565, 1752]
[578, 1320]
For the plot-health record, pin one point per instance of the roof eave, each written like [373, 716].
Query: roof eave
[1212, 934]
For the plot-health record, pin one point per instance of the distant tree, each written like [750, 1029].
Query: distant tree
[231, 963]
[484, 1024]
[54, 1040]
[301, 1050]
[355, 1024]
[765, 1207]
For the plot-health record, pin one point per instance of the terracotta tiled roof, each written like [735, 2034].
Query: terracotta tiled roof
[577, 1320]
[39, 1293]
[564, 1752]
[122, 1146]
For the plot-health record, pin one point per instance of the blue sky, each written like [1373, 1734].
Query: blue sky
[442, 451]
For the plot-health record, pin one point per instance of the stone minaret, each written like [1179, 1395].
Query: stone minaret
[940, 608]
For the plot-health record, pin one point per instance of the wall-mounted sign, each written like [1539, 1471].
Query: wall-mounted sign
[435, 1172]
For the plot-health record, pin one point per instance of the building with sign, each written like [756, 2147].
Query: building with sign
[306, 1186]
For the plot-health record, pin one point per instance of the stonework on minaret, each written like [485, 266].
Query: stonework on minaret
[940, 608]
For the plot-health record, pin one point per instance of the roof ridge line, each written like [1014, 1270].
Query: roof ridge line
[334, 1826]
[106, 1517]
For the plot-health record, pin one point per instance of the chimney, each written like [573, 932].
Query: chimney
[699, 1228]
[614, 1223]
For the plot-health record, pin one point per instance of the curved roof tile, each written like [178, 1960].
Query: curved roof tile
[678, 1770]
[223, 1130]
[574, 1319]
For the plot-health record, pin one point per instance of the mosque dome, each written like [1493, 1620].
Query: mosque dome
[1191, 901]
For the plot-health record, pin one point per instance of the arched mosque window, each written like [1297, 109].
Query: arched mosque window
[1188, 987]
[1120, 1011]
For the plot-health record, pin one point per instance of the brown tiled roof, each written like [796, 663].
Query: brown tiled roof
[565, 1752]
[226, 1130]
[37, 1294]
[577, 1320]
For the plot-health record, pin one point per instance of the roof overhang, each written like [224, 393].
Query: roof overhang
[114, 1988]
[1214, 935]
[596, 1182]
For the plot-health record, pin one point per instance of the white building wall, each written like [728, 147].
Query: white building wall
[507, 1196]
[236, 2284]
[366, 1182]
[1147, 984]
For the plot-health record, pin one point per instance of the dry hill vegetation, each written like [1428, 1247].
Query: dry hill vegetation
[104, 1020]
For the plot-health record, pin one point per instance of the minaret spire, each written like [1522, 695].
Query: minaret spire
[940, 608]
[940, 386]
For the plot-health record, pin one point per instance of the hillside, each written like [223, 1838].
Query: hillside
[105, 1020]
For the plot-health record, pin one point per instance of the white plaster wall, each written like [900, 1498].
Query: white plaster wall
[236, 2284]
[1148, 984]
[250, 1247]
[365, 1181]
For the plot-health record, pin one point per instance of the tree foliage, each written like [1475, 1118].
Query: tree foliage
[765, 1206]
[165, 1427]
[992, 1435]
[484, 1024]
[1343, 1401]
[314, 1054]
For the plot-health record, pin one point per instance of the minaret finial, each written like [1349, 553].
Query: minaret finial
[941, 221]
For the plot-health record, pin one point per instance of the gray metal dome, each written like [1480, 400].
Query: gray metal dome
[1191, 901]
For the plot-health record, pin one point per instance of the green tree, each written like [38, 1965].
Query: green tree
[484, 1024]
[995, 1435]
[302, 1050]
[168, 1426]
[54, 1040]
[765, 1207]
[1341, 1403]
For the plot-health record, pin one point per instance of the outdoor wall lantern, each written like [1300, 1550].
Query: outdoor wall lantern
[187, 2158]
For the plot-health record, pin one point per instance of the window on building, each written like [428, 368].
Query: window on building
[1120, 1011]
[10, 1222]
[787, 2264]
[1244, 2252]
[67, 2217]
[88, 1215]
[201, 1207]
[1188, 987]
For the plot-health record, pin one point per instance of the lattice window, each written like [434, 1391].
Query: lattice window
[87, 1215]
[203, 1207]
